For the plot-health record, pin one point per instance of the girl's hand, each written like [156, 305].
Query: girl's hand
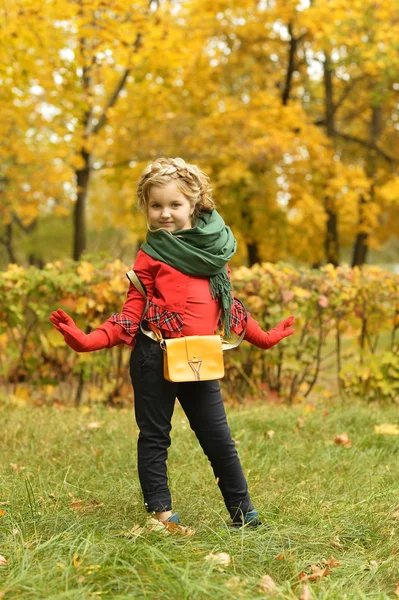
[59, 316]
[285, 327]
[75, 337]
[268, 339]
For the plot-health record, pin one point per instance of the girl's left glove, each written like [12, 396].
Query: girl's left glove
[268, 339]
[75, 337]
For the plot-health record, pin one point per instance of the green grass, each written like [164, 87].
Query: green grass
[319, 499]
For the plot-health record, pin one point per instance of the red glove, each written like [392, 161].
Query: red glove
[267, 339]
[75, 337]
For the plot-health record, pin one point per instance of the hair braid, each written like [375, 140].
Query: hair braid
[189, 179]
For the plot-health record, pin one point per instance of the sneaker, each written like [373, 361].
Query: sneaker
[174, 518]
[251, 519]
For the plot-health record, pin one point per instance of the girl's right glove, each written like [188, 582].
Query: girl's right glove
[268, 339]
[75, 337]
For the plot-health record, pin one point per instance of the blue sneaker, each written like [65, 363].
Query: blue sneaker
[251, 519]
[174, 518]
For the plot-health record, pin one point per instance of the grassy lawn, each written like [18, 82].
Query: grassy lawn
[74, 526]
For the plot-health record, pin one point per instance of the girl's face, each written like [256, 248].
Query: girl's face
[168, 208]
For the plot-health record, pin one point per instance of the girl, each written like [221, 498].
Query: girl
[183, 265]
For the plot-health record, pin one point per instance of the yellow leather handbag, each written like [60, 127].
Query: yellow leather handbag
[188, 358]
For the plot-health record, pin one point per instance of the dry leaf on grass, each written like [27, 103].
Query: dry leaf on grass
[396, 592]
[317, 573]
[2, 512]
[331, 562]
[17, 468]
[134, 532]
[93, 425]
[3, 561]
[222, 558]
[166, 527]
[306, 593]
[343, 440]
[280, 557]
[235, 582]
[85, 504]
[387, 429]
[266, 584]
[371, 565]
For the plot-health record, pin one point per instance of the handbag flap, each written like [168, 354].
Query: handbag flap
[195, 347]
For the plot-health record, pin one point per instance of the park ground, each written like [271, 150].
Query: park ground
[324, 477]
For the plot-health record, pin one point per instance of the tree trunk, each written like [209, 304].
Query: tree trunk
[79, 215]
[290, 66]
[361, 245]
[7, 241]
[331, 244]
[332, 241]
[360, 248]
[253, 253]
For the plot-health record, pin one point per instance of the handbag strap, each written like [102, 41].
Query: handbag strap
[155, 333]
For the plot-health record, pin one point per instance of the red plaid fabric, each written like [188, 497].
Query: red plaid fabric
[131, 327]
[239, 316]
[164, 319]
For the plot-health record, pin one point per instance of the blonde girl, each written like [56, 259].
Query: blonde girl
[183, 265]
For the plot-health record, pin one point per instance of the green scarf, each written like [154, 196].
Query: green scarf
[202, 251]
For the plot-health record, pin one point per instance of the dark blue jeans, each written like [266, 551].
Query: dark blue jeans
[154, 400]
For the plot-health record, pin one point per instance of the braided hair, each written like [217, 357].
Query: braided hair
[189, 179]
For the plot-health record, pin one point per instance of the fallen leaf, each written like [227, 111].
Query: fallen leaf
[17, 468]
[79, 504]
[2, 512]
[134, 532]
[93, 425]
[156, 525]
[317, 573]
[176, 528]
[280, 557]
[387, 429]
[336, 542]
[331, 562]
[371, 565]
[270, 434]
[306, 593]
[266, 584]
[235, 582]
[343, 440]
[166, 527]
[76, 561]
[3, 561]
[222, 558]
[396, 592]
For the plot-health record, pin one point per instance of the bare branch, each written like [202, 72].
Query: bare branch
[366, 144]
